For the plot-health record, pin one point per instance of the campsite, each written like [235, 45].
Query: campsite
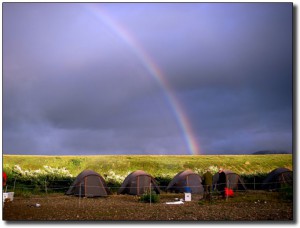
[57, 194]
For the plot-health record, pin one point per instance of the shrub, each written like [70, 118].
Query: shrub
[113, 180]
[48, 173]
[163, 181]
[213, 169]
[76, 162]
[55, 178]
[286, 193]
[150, 197]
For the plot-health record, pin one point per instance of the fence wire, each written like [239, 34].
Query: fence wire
[47, 185]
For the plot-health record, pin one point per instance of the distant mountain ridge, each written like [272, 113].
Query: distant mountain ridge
[271, 152]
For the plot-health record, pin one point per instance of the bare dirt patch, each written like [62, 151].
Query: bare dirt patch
[245, 206]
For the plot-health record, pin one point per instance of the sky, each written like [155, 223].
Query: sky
[147, 78]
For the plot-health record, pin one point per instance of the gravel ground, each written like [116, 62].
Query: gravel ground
[246, 206]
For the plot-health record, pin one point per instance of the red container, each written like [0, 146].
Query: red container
[228, 192]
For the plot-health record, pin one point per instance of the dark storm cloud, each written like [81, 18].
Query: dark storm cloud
[73, 85]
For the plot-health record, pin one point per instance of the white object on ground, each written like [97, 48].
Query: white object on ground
[8, 195]
[187, 196]
[177, 202]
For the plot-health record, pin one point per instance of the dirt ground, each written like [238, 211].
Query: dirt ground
[244, 206]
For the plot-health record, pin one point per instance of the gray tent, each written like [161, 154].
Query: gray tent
[278, 178]
[138, 183]
[88, 184]
[186, 179]
[233, 180]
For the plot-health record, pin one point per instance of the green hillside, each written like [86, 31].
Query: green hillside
[156, 165]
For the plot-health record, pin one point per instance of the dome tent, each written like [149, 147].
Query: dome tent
[278, 178]
[234, 180]
[88, 184]
[138, 183]
[186, 179]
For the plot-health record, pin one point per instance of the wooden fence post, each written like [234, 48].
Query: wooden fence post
[150, 193]
[79, 194]
[227, 190]
[46, 190]
[14, 184]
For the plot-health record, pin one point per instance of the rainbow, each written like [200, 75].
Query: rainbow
[127, 37]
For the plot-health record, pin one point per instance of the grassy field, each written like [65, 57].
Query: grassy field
[156, 165]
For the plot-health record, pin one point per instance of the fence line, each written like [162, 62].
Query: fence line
[46, 187]
[81, 197]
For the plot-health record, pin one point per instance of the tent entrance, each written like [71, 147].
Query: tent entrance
[93, 186]
[194, 183]
[144, 184]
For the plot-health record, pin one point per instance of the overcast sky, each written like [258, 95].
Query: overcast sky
[77, 78]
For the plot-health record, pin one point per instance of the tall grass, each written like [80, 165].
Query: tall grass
[155, 165]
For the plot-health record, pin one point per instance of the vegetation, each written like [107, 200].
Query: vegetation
[40, 180]
[57, 172]
[149, 197]
[156, 165]
[286, 193]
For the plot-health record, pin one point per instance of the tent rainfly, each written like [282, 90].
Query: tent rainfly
[278, 178]
[232, 179]
[186, 179]
[138, 183]
[88, 184]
